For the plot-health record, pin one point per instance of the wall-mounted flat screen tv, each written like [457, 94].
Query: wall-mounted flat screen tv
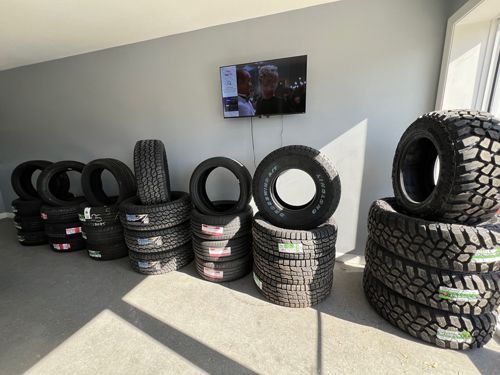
[264, 88]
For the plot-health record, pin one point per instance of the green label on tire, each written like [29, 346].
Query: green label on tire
[458, 295]
[454, 336]
[486, 255]
[94, 253]
[290, 248]
[258, 281]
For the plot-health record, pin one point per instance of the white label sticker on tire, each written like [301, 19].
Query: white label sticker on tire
[156, 241]
[258, 281]
[211, 272]
[486, 255]
[148, 265]
[454, 336]
[212, 230]
[458, 295]
[290, 248]
[142, 218]
[86, 213]
[61, 246]
[219, 251]
[43, 215]
[74, 230]
[94, 253]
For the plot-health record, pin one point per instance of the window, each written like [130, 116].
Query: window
[493, 97]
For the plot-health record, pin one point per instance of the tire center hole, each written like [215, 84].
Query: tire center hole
[34, 178]
[420, 170]
[75, 179]
[295, 188]
[222, 184]
[109, 184]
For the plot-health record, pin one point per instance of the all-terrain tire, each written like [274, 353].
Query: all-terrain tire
[468, 188]
[317, 166]
[135, 216]
[221, 227]
[456, 292]
[294, 243]
[151, 172]
[446, 246]
[446, 330]
[161, 262]
[158, 240]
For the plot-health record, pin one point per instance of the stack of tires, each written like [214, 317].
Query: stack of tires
[156, 222]
[294, 246]
[222, 239]
[26, 208]
[99, 216]
[433, 253]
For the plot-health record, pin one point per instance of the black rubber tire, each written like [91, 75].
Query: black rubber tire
[26, 208]
[23, 186]
[292, 243]
[198, 188]
[63, 230]
[158, 240]
[92, 182]
[468, 188]
[66, 214]
[161, 262]
[426, 323]
[28, 223]
[151, 172]
[284, 215]
[107, 252]
[220, 272]
[98, 216]
[446, 246]
[222, 251]
[31, 238]
[135, 216]
[222, 227]
[67, 245]
[104, 235]
[456, 292]
[294, 271]
[44, 183]
[290, 295]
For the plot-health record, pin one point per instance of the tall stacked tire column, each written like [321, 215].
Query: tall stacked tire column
[100, 216]
[294, 246]
[156, 222]
[222, 229]
[433, 255]
[60, 211]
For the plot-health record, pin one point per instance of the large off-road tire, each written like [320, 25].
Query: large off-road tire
[45, 183]
[219, 272]
[446, 246]
[92, 182]
[294, 243]
[135, 216]
[198, 189]
[158, 240]
[456, 292]
[222, 251]
[151, 172]
[278, 212]
[292, 295]
[221, 227]
[446, 330]
[22, 175]
[467, 144]
[161, 262]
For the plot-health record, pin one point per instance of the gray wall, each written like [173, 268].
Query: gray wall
[373, 68]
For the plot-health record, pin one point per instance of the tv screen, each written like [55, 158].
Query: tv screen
[264, 88]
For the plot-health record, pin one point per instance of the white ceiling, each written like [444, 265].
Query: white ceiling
[33, 31]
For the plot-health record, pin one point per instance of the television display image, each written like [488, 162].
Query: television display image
[264, 88]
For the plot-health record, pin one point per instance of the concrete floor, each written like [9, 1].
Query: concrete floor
[68, 314]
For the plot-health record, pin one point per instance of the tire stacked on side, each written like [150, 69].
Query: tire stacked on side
[433, 252]
[100, 216]
[222, 239]
[60, 209]
[26, 208]
[294, 246]
[156, 222]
